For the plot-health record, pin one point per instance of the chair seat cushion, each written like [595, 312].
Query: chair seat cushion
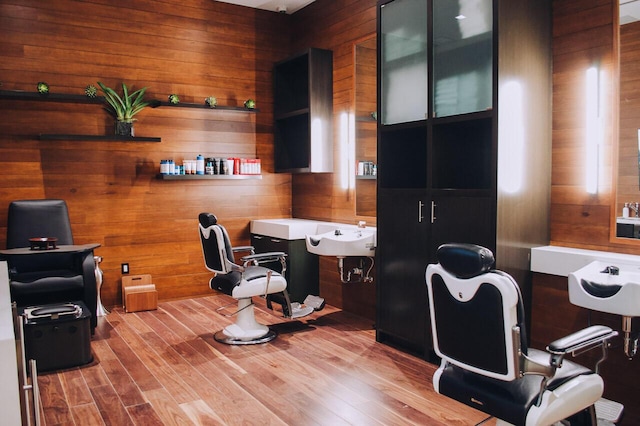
[226, 283]
[27, 283]
[509, 401]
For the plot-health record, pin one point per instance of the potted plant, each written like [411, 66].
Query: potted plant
[124, 108]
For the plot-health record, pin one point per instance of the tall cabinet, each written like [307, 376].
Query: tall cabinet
[452, 167]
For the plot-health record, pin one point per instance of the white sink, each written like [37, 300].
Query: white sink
[592, 287]
[343, 242]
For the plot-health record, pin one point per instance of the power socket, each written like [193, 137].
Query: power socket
[124, 268]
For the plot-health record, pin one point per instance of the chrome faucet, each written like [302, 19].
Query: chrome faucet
[635, 207]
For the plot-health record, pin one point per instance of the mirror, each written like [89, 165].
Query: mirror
[365, 105]
[628, 185]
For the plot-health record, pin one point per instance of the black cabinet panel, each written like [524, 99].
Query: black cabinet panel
[402, 308]
[302, 267]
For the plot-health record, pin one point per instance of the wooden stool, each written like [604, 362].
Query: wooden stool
[139, 293]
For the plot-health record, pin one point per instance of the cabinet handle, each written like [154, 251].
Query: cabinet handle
[420, 215]
[258, 237]
[433, 211]
[275, 240]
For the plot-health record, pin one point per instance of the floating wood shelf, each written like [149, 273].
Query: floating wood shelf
[114, 138]
[22, 95]
[196, 177]
[50, 97]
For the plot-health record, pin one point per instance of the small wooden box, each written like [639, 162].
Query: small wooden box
[139, 293]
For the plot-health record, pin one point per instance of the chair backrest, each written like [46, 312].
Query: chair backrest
[38, 218]
[474, 310]
[216, 247]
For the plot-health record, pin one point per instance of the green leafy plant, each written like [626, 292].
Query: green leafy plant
[126, 107]
[211, 101]
[91, 91]
[174, 99]
[43, 88]
[250, 104]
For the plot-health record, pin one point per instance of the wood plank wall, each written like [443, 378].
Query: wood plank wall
[336, 25]
[584, 33]
[196, 48]
[628, 185]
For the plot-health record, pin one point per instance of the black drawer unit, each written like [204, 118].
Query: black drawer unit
[58, 336]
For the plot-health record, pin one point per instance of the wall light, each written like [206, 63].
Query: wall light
[511, 157]
[594, 127]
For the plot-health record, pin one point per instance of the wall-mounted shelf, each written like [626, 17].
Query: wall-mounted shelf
[205, 106]
[197, 177]
[51, 97]
[114, 138]
[22, 95]
[366, 177]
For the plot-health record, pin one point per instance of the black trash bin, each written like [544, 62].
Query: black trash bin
[58, 336]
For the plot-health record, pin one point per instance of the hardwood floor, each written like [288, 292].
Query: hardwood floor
[163, 367]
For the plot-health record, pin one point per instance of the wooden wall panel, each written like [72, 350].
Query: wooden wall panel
[201, 48]
[334, 25]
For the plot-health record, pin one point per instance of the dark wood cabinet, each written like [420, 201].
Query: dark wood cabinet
[303, 109]
[302, 267]
[438, 177]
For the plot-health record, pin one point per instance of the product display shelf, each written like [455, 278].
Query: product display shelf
[214, 177]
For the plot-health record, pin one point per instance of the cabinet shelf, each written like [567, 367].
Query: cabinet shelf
[204, 177]
[204, 106]
[114, 138]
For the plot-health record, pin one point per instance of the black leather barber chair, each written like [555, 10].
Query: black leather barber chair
[477, 323]
[243, 282]
[38, 275]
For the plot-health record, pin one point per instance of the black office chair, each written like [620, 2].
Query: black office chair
[48, 276]
[243, 282]
[477, 323]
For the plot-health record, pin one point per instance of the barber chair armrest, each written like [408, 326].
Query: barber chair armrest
[579, 342]
[249, 249]
[272, 256]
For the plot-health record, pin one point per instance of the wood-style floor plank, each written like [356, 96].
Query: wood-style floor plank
[163, 367]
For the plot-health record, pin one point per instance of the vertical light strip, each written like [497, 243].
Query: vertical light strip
[344, 151]
[511, 156]
[592, 130]
[351, 158]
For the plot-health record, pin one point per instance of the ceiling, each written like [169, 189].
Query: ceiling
[281, 6]
[629, 11]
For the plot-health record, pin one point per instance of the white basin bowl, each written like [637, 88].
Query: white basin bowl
[593, 288]
[343, 242]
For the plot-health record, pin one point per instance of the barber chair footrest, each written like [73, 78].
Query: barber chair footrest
[608, 410]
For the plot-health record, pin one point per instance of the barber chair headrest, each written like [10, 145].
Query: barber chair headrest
[465, 260]
[207, 219]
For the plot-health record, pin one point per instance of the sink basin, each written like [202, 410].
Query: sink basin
[343, 242]
[594, 287]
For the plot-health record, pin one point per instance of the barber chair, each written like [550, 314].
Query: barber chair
[60, 275]
[477, 323]
[243, 282]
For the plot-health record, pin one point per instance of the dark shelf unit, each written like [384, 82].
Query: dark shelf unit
[210, 177]
[105, 138]
[205, 106]
[303, 98]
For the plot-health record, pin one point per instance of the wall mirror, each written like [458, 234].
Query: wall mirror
[365, 106]
[628, 178]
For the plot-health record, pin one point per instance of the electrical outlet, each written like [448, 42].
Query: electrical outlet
[124, 268]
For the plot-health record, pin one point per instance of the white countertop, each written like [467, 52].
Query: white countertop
[561, 261]
[296, 229]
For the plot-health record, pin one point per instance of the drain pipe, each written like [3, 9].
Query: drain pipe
[362, 276]
[630, 344]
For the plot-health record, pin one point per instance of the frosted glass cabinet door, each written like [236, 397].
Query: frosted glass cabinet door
[462, 56]
[403, 68]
